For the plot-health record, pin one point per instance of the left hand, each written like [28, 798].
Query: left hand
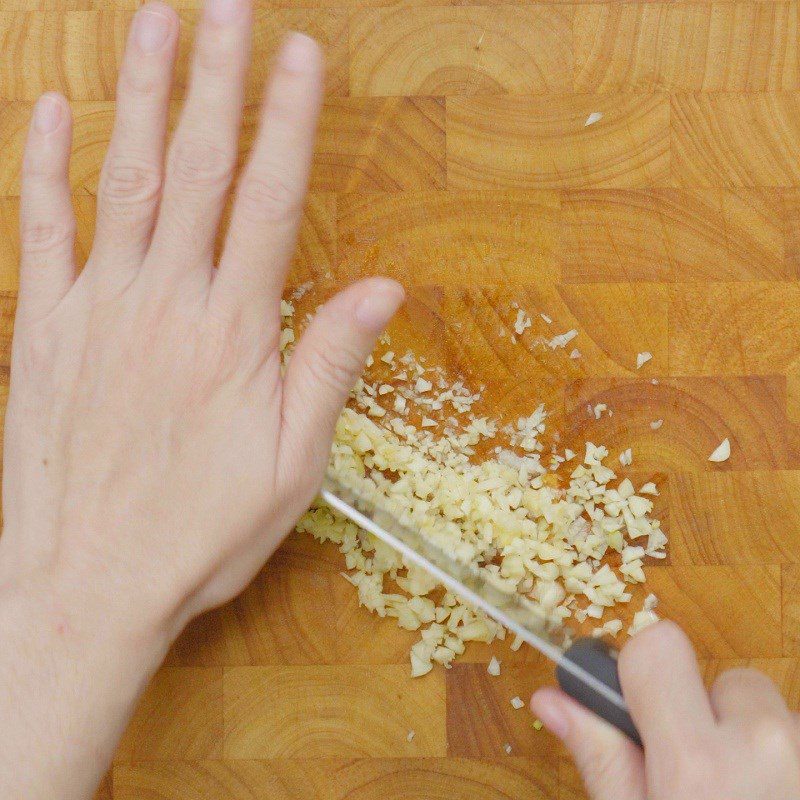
[155, 455]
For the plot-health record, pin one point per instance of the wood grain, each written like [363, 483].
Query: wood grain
[686, 47]
[674, 235]
[453, 155]
[336, 711]
[735, 140]
[298, 779]
[544, 143]
[461, 51]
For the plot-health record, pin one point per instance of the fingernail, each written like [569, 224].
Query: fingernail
[299, 53]
[377, 308]
[47, 114]
[151, 29]
[549, 709]
[222, 11]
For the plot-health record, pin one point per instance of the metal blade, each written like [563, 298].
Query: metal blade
[510, 609]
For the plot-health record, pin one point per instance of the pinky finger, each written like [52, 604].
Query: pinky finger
[47, 219]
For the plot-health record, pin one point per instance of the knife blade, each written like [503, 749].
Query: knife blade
[586, 668]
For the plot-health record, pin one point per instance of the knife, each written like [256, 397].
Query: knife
[586, 669]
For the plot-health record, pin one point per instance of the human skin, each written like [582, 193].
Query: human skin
[155, 454]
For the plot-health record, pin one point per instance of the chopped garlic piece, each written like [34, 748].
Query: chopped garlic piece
[385, 389]
[626, 457]
[507, 748]
[649, 488]
[656, 424]
[595, 116]
[410, 736]
[642, 359]
[722, 453]
[494, 667]
[548, 320]
[522, 322]
[562, 340]
[517, 702]
[387, 357]
[641, 620]
[575, 354]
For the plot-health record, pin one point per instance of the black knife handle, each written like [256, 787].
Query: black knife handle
[600, 660]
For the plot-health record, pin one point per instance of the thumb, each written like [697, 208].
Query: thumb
[611, 765]
[325, 365]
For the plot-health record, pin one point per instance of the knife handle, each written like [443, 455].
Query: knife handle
[600, 660]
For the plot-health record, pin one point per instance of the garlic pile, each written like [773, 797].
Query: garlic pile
[504, 514]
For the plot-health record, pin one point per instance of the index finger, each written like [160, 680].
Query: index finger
[664, 690]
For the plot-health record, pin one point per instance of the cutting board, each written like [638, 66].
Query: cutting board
[453, 155]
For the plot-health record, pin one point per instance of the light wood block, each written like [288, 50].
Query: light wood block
[673, 235]
[180, 716]
[677, 47]
[442, 237]
[461, 50]
[544, 143]
[735, 140]
[392, 779]
[335, 711]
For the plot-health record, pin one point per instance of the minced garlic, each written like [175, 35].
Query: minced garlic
[506, 514]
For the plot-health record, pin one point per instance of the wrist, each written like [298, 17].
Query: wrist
[65, 667]
[78, 617]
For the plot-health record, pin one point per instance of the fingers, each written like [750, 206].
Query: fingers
[269, 200]
[744, 695]
[130, 181]
[326, 363]
[664, 689]
[612, 766]
[47, 220]
[202, 156]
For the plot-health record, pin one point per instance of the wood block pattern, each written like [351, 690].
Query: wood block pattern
[735, 140]
[544, 143]
[454, 155]
[329, 712]
[676, 47]
[673, 235]
[461, 51]
[393, 779]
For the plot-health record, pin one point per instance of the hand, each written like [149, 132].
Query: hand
[737, 742]
[154, 454]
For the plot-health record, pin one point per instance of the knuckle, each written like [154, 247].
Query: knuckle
[642, 651]
[692, 771]
[202, 165]
[127, 182]
[602, 766]
[269, 197]
[733, 678]
[138, 83]
[212, 56]
[36, 354]
[775, 740]
[334, 370]
[43, 236]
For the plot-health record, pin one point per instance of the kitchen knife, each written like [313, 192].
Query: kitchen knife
[586, 669]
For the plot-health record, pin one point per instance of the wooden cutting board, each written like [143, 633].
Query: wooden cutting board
[453, 155]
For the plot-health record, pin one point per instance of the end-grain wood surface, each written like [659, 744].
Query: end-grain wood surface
[453, 155]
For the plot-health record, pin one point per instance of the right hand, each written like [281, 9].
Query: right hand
[738, 741]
